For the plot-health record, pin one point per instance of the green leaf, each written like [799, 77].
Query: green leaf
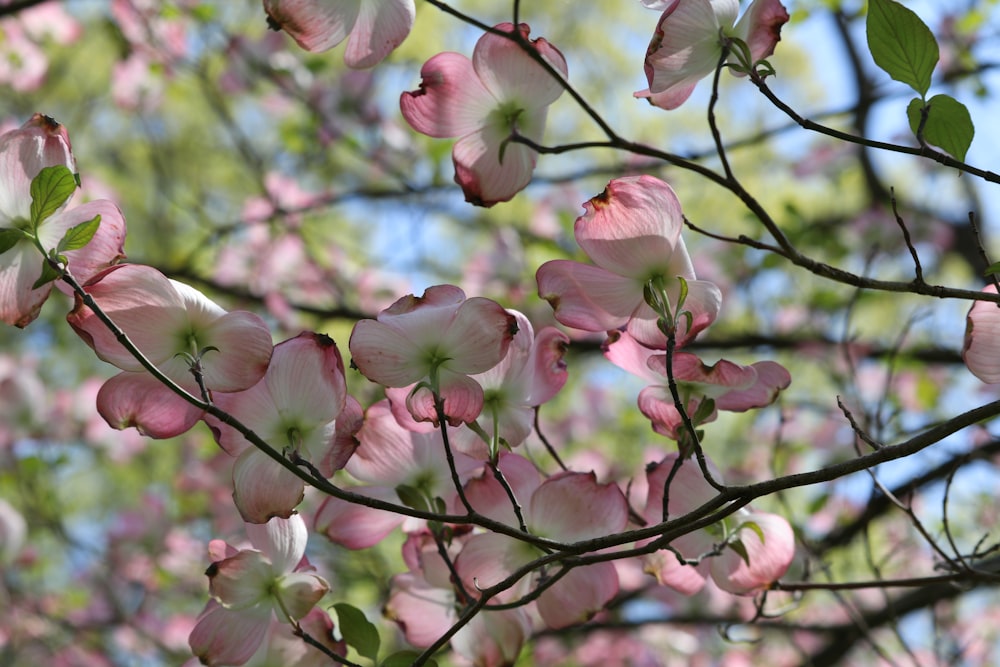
[752, 525]
[50, 189]
[738, 547]
[948, 125]
[405, 659]
[901, 44]
[80, 235]
[412, 497]
[10, 238]
[48, 275]
[357, 630]
[992, 269]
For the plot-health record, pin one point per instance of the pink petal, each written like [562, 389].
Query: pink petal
[511, 74]
[769, 559]
[489, 558]
[668, 571]
[587, 297]
[242, 581]
[493, 638]
[263, 489]
[484, 177]
[381, 26]
[633, 229]
[355, 526]
[462, 399]
[244, 351]
[657, 404]
[478, 337]
[106, 248]
[41, 142]
[224, 637]
[385, 355]
[20, 267]
[760, 27]
[626, 353]
[317, 25]
[451, 100]
[981, 351]
[686, 47]
[772, 377]
[143, 303]
[490, 499]
[139, 400]
[422, 611]
[282, 541]
[572, 506]
[385, 455]
[300, 591]
[579, 595]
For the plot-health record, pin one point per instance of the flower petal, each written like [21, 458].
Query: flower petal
[579, 595]
[225, 637]
[573, 506]
[451, 100]
[381, 26]
[139, 400]
[282, 541]
[316, 25]
[510, 74]
[263, 488]
[588, 297]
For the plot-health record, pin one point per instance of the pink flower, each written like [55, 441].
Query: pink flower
[294, 408]
[632, 232]
[173, 325]
[981, 351]
[440, 339]
[531, 374]
[373, 28]
[568, 507]
[250, 587]
[689, 38]
[40, 143]
[390, 459]
[732, 387]
[765, 539]
[483, 101]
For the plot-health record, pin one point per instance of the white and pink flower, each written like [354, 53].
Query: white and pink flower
[632, 232]
[689, 39]
[174, 326]
[483, 101]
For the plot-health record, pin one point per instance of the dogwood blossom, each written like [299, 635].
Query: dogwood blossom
[40, 143]
[372, 28]
[689, 39]
[439, 339]
[294, 407]
[250, 587]
[483, 101]
[766, 539]
[174, 326]
[632, 232]
[568, 507]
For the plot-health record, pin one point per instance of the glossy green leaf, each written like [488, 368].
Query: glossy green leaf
[50, 189]
[79, 235]
[48, 275]
[901, 44]
[357, 630]
[948, 125]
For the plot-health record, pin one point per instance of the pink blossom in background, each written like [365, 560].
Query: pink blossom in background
[169, 322]
[372, 28]
[688, 41]
[13, 533]
[632, 233]
[482, 102]
[294, 408]
[439, 338]
[40, 143]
